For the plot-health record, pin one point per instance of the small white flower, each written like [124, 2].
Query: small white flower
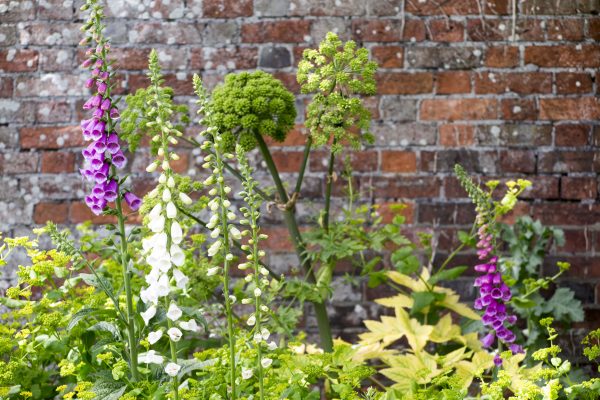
[266, 362]
[257, 292]
[176, 233]
[232, 298]
[246, 301]
[174, 312]
[148, 314]
[166, 195]
[157, 224]
[171, 182]
[152, 167]
[230, 216]
[172, 369]
[162, 178]
[190, 325]
[155, 336]
[171, 210]
[151, 357]
[213, 221]
[214, 248]
[246, 373]
[264, 308]
[177, 255]
[185, 199]
[226, 203]
[212, 271]
[174, 334]
[272, 345]
[215, 233]
[153, 193]
[264, 271]
[243, 266]
[235, 232]
[181, 280]
[252, 320]
[155, 212]
[229, 257]
[264, 332]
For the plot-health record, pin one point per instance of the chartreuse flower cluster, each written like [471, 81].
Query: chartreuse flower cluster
[494, 292]
[104, 151]
[250, 104]
[336, 74]
[221, 222]
[161, 248]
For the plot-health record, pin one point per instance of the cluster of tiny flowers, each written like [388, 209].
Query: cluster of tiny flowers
[257, 274]
[493, 295]
[104, 150]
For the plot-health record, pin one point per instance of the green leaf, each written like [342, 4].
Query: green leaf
[104, 326]
[563, 305]
[80, 315]
[108, 390]
[422, 300]
[98, 282]
[447, 274]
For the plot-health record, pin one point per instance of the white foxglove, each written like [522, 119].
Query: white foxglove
[212, 271]
[264, 332]
[155, 336]
[151, 357]
[157, 224]
[171, 210]
[266, 362]
[215, 233]
[155, 212]
[246, 373]
[214, 248]
[181, 280]
[185, 199]
[176, 233]
[174, 312]
[174, 334]
[166, 195]
[251, 321]
[148, 314]
[272, 346]
[177, 255]
[235, 232]
[190, 325]
[172, 369]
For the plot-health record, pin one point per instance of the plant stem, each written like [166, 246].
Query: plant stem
[307, 147]
[173, 348]
[292, 225]
[328, 191]
[133, 361]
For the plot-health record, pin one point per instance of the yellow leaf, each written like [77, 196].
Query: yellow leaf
[400, 300]
[415, 285]
[416, 334]
[444, 330]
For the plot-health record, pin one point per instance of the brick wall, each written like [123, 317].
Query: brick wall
[455, 85]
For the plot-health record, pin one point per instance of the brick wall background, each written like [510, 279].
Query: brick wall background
[459, 82]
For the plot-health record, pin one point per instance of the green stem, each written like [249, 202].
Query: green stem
[133, 361]
[290, 221]
[307, 148]
[173, 347]
[328, 190]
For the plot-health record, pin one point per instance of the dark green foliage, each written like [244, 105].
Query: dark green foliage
[251, 103]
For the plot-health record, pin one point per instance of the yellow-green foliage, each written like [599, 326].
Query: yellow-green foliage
[417, 366]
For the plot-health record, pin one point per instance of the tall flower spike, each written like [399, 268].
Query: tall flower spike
[221, 220]
[104, 152]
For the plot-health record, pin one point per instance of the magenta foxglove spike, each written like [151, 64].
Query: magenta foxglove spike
[132, 201]
[101, 87]
[105, 104]
[112, 143]
[111, 190]
[119, 159]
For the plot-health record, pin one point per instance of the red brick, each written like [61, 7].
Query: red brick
[55, 212]
[388, 56]
[580, 55]
[130, 58]
[445, 30]
[571, 135]
[388, 211]
[565, 29]
[398, 161]
[501, 30]
[230, 58]
[457, 7]
[80, 212]
[407, 187]
[6, 87]
[388, 30]
[279, 239]
[288, 161]
[289, 81]
[446, 213]
[227, 8]
[578, 188]
[51, 137]
[453, 82]
[404, 83]
[519, 109]
[566, 214]
[521, 83]
[577, 241]
[502, 57]
[542, 187]
[287, 31]
[458, 109]
[360, 161]
[295, 137]
[567, 83]
[581, 108]
[18, 60]
[517, 161]
[453, 135]
[594, 28]
[567, 161]
[56, 162]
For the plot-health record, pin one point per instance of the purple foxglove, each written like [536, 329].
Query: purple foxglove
[98, 130]
[90, 151]
[90, 201]
[95, 72]
[101, 87]
[132, 201]
[87, 63]
[119, 159]
[112, 143]
[111, 189]
[114, 113]
[98, 190]
[98, 113]
[97, 163]
[99, 63]
[100, 144]
[98, 207]
[102, 173]
[105, 104]
[104, 76]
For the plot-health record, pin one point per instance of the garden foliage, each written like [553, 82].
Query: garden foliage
[185, 306]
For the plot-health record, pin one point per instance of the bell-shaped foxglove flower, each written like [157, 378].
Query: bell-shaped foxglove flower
[150, 357]
[148, 314]
[174, 312]
[190, 325]
[172, 369]
[155, 336]
[175, 334]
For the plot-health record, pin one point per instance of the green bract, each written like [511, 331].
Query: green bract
[251, 103]
[336, 74]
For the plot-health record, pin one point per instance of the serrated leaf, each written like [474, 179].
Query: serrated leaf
[564, 304]
[447, 274]
[78, 316]
[104, 326]
[108, 390]
[422, 301]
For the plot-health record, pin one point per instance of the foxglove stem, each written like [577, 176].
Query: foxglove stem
[328, 190]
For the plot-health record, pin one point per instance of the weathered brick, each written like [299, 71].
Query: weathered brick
[287, 31]
[388, 30]
[62, 59]
[571, 134]
[471, 160]
[271, 8]
[514, 135]
[389, 210]
[443, 57]
[388, 56]
[53, 111]
[458, 109]
[6, 87]
[227, 8]
[446, 30]
[565, 29]
[397, 108]
[457, 7]
[455, 135]
[322, 8]
[50, 211]
[581, 108]
[288, 161]
[398, 161]
[404, 83]
[51, 84]
[521, 83]
[409, 187]
[79, 212]
[50, 34]
[453, 82]
[360, 161]
[57, 162]
[569, 82]
[19, 163]
[566, 214]
[578, 188]
[519, 109]
[551, 7]
[501, 30]
[274, 57]
[446, 213]
[16, 11]
[566, 161]
[580, 55]
[51, 137]
[167, 33]
[390, 133]
[502, 56]
[229, 58]
[594, 28]
[18, 60]
[517, 161]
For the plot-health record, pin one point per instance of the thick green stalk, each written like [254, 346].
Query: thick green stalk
[133, 356]
[307, 147]
[328, 190]
[292, 225]
[173, 348]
